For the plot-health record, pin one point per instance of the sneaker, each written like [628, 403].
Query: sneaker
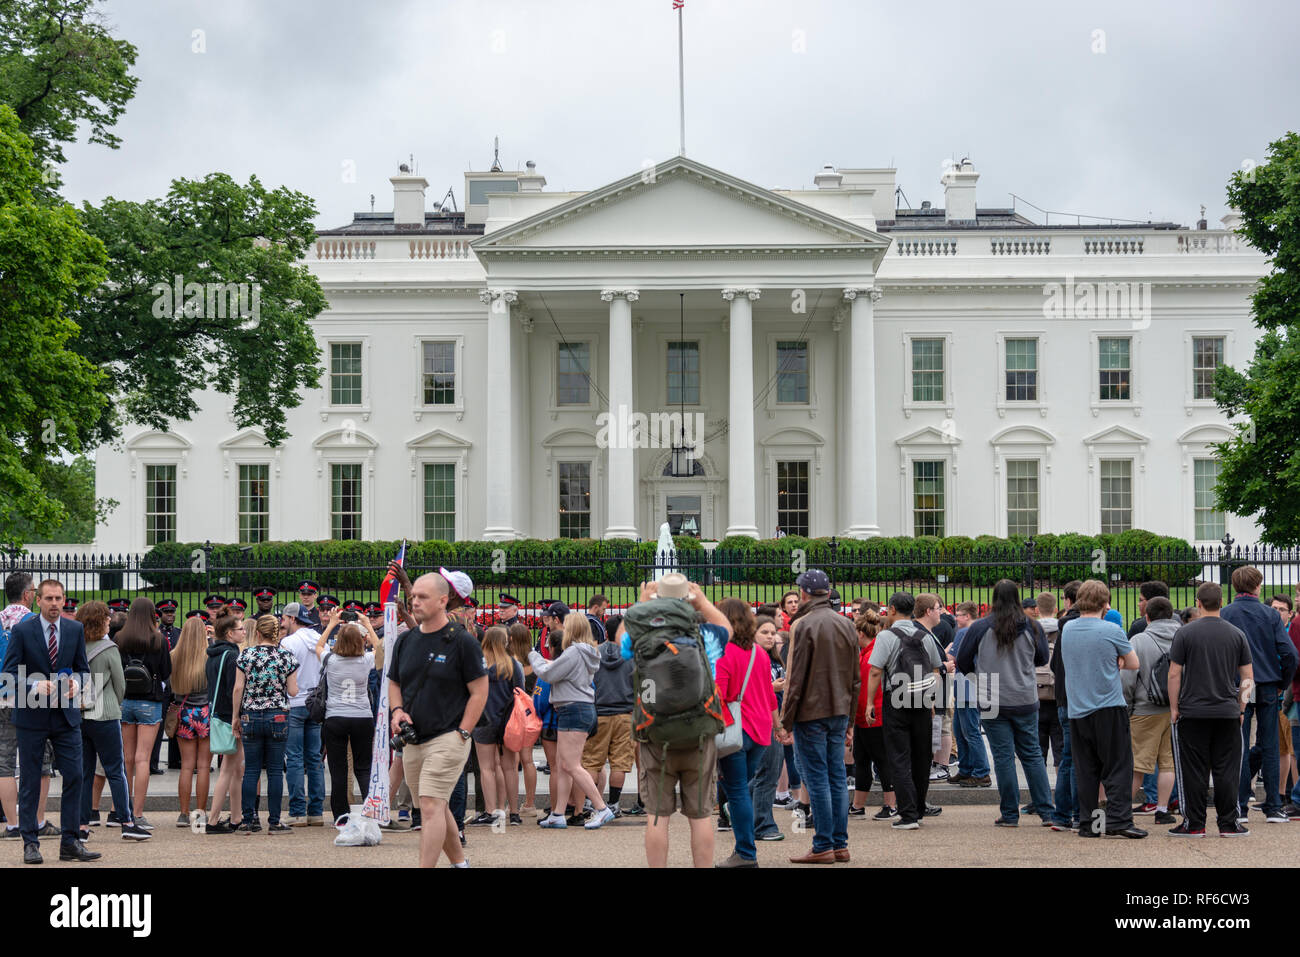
[1236, 830]
[404, 816]
[938, 772]
[543, 769]
[278, 827]
[957, 777]
[482, 820]
[932, 810]
[1005, 822]
[315, 820]
[516, 820]
[133, 832]
[1173, 806]
[857, 812]
[143, 822]
[603, 816]
[1027, 809]
[415, 819]
[770, 836]
[784, 801]
[182, 820]
[297, 820]
[11, 833]
[1241, 819]
[94, 819]
[1132, 832]
[618, 811]
[852, 783]
[1290, 810]
[901, 825]
[462, 838]
[1146, 808]
[198, 820]
[724, 821]
[221, 827]
[48, 830]
[246, 826]
[254, 824]
[1276, 817]
[1060, 826]
[1164, 817]
[636, 810]
[984, 781]
[553, 821]
[1182, 830]
[577, 820]
[83, 835]
[886, 813]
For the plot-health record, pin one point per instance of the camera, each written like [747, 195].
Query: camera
[405, 735]
[348, 615]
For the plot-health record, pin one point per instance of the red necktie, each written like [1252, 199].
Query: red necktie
[54, 644]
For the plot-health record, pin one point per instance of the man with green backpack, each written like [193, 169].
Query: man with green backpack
[675, 635]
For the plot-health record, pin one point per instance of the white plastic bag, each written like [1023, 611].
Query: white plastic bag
[359, 831]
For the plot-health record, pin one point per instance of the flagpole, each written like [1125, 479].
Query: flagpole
[681, 83]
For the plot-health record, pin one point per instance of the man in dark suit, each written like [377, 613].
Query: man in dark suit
[42, 651]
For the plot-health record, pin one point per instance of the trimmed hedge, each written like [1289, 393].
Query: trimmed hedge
[1134, 556]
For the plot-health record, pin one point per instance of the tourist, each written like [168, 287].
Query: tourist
[615, 698]
[1147, 693]
[265, 680]
[302, 748]
[190, 695]
[869, 735]
[219, 673]
[349, 725]
[972, 759]
[500, 790]
[147, 666]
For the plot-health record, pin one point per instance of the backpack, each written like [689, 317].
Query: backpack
[677, 701]
[524, 726]
[911, 680]
[139, 679]
[1158, 680]
[320, 694]
[1043, 676]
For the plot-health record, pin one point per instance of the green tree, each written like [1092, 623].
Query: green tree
[1260, 467]
[73, 485]
[50, 397]
[210, 236]
[59, 68]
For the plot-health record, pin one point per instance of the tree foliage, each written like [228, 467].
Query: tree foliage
[1260, 468]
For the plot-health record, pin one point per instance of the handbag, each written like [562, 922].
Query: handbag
[319, 694]
[221, 736]
[731, 738]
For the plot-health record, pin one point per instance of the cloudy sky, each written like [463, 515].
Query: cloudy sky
[1126, 109]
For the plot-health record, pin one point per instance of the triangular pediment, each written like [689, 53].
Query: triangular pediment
[1116, 434]
[439, 439]
[929, 435]
[246, 439]
[680, 203]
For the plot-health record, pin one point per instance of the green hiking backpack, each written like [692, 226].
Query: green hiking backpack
[677, 701]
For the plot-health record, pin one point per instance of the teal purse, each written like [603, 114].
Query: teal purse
[221, 736]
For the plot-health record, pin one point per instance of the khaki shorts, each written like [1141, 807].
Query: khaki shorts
[433, 768]
[1152, 742]
[612, 742]
[946, 727]
[694, 770]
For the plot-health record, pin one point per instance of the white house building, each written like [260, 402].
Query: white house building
[858, 369]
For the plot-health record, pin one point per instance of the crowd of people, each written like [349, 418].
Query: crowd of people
[728, 712]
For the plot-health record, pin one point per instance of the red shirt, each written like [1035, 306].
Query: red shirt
[760, 700]
[860, 720]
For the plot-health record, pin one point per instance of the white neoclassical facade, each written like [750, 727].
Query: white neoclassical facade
[839, 366]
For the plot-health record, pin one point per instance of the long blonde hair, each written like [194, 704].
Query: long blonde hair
[189, 657]
[576, 628]
[496, 652]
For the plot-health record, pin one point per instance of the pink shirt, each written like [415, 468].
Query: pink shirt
[760, 700]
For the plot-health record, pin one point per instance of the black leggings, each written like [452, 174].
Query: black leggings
[338, 734]
[869, 748]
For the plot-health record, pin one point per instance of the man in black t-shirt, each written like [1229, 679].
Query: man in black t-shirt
[438, 683]
[1210, 678]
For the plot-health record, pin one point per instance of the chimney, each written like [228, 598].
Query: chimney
[532, 181]
[959, 192]
[828, 178]
[408, 197]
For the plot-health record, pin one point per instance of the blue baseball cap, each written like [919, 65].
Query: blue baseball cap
[814, 580]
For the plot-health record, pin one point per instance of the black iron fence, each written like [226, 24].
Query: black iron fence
[755, 576]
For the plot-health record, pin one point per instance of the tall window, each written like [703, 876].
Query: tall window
[792, 497]
[1022, 498]
[1207, 356]
[683, 373]
[792, 372]
[345, 501]
[575, 499]
[254, 504]
[1022, 370]
[1116, 496]
[159, 504]
[927, 370]
[440, 501]
[1115, 369]
[439, 373]
[345, 373]
[1211, 524]
[927, 498]
[573, 385]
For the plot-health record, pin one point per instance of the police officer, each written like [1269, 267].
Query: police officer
[508, 611]
[69, 608]
[308, 591]
[166, 608]
[327, 604]
[214, 604]
[237, 607]
[265, 598]
[375, 612]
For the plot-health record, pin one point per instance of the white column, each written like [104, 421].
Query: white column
[740, 415]
[499, 426]
[621, 461]
[862, 516]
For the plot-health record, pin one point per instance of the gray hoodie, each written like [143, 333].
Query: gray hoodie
[570, 674]
[1149, 644]
[614, 682]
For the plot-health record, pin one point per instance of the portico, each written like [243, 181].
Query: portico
[677, 290]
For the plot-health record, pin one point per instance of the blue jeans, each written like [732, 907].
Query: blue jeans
[304, 738]
[762, 788]
[1014, 736]
[972, 759]
[1150, 783]
[737, 769]
[265, 734]
[819, 752]
[104, 739]
[791, 769]
[1264, 707]
[1067, 798]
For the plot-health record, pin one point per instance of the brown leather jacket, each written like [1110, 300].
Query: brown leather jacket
[822, 667]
